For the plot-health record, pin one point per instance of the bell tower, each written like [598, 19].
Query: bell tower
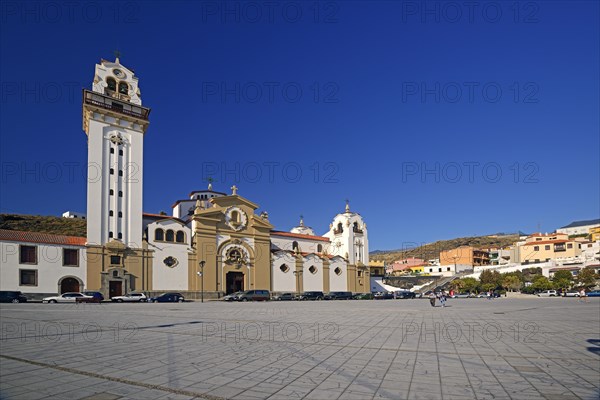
[115, 123]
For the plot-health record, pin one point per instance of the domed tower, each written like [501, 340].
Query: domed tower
[302, 229]
[349, 239]
[115, 123]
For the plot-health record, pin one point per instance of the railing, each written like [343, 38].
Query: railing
[113, 104]
[357, 230]
[337, 232]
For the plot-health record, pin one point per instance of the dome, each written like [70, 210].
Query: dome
[303, 230]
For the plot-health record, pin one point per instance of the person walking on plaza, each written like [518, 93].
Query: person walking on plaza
[583, 296]
[432, 299]
[443, 298]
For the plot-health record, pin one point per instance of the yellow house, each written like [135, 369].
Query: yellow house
[544, 247]
[377, 268]
[417, 269]
[595, 233]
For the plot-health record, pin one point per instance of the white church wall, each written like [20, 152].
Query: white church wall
[283, 281]
[338, 282]
[163, 276]
[310, 280]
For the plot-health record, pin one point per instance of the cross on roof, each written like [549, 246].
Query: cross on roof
[234, 190]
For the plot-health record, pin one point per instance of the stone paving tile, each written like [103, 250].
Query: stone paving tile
[381, 350]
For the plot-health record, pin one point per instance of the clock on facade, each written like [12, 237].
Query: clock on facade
[118, 73]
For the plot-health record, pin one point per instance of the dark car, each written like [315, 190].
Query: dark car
[405, 294]
[285, 297]
[339, 296]
[311, 296]
[363, 296]
[169, 297]
[594, 293]
[96, 295]
[254, 295]
[7, 296]
[383, 296]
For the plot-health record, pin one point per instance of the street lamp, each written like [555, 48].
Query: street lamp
[201, 273]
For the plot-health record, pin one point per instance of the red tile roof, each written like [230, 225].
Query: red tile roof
[544, 242]
[38, 237]
[300, 236]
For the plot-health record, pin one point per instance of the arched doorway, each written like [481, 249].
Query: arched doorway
[69, 285]
[235, 282]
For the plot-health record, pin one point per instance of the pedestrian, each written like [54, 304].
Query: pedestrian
[443, 299]
[432, 299]
[583, 296]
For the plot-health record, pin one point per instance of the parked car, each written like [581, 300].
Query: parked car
[96, 295]
[131, 297]
[383, 296]
[169, 297]
[285, 297]
[464, 295]
[232, 296]
[254, 295]
[571, 293]
[338, 296]
[363, 296]
[548, 293]
[70, 297]
[9, 296]
[594, 293]
[405, 294]
[311, 296]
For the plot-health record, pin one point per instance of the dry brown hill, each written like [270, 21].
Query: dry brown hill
[44, 224]
[432, 250]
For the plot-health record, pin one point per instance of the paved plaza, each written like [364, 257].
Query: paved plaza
[392, 349]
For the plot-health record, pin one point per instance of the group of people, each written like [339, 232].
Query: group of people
[441, 296]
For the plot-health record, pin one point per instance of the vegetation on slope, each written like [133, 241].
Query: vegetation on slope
[44, 224]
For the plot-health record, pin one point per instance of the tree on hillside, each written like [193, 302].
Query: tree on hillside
[587, 277]
[511, 282]
[563, 279]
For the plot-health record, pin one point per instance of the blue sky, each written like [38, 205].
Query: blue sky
[435, 123]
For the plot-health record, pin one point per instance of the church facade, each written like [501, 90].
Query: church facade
[213, 243]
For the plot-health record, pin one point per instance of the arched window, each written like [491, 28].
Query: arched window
[170, 236]
[111, 84]
[159, 234]
[312, 269]
[319, 248]
[284, 268]
[294, 245]
[123, 88]
[340, 228]
[180, 237]
[235, 216]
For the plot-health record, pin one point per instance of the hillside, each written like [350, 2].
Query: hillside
[432, 250]
[44, 224]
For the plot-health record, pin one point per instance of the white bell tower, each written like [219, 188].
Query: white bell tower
[115, 123]
[349, 237]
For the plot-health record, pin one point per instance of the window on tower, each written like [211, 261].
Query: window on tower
[120, 214]
[123, 88]
[120, 193]
[111, 213]
[120, 235]
[170, 236]
[110, 234]
[180, 237]
[120, 172]
[120, 152]
[159, 234]
[112, 171]
[112, 150]
[111, 192]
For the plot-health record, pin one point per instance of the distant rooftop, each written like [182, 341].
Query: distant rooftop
[582, 223]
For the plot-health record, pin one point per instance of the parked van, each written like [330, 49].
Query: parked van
[254, 295]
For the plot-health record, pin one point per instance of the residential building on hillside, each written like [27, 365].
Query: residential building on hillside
[595, 233]
[579, 227]
[545, 247]
[465, 255]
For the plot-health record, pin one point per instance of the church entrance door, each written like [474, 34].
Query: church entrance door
[115, 288]
[235, 282]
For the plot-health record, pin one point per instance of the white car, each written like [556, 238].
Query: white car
[548, 293]
[131, 297]
[571, 293]
[70, 297]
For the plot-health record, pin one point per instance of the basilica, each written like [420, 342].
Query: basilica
[213, 243]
